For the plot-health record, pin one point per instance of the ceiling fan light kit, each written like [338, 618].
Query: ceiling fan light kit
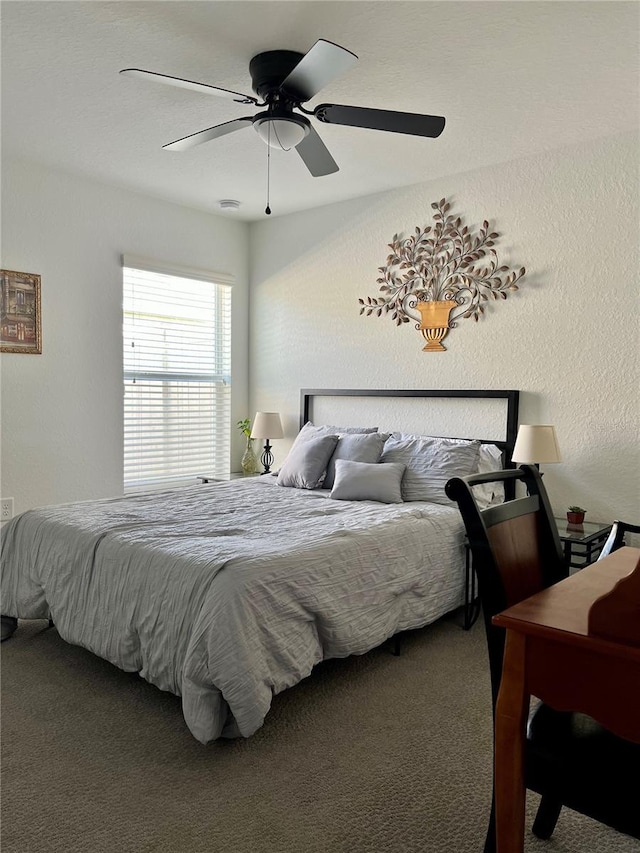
[285, 80]
[280, 129]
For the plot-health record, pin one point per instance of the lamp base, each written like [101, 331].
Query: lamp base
[267, 458]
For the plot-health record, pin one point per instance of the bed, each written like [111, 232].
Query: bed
[228, 593]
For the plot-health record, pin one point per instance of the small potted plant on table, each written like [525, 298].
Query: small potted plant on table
[249, 463]
[575, 514]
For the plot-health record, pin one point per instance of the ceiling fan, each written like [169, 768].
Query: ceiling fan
[285, 80]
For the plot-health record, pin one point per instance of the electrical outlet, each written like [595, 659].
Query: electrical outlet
[6, 509]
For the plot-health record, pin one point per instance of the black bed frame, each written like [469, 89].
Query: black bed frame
[512, 397]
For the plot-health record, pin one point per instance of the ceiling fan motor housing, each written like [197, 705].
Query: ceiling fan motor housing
[269, 69]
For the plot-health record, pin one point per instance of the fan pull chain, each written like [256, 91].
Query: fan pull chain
[267, 209]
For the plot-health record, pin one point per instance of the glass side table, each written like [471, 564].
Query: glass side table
[221, 477]
[582, 543]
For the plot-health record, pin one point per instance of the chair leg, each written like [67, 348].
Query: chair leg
[490, 840]
[546, 817]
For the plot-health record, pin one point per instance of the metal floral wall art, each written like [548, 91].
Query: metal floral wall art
[440, 268]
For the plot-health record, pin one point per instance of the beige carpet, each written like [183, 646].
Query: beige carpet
[375, 754]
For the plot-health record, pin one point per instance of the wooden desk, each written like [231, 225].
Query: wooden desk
[550, 654]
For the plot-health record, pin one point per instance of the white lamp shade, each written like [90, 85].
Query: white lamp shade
[536, 443]
[267, 425]
[280, 133]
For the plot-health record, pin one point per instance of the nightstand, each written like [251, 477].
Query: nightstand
[219, 478]
[582, 543]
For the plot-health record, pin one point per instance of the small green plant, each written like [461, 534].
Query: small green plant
[576, 509]
[245, 427]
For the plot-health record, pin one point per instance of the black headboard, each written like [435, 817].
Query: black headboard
[512, 399]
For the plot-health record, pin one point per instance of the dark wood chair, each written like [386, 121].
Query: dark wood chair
[615, 539]
[570, 759]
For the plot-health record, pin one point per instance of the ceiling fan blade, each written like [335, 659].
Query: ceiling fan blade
[208, 134]
[189, 84]
[315, 155]
[323, 63]
[396, 122]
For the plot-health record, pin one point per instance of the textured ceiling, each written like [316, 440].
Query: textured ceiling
[511, 78]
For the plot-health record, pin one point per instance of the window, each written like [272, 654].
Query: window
[177, 356]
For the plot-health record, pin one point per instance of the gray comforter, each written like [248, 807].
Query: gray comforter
[228, 593]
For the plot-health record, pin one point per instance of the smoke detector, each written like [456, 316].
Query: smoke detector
[229, 204]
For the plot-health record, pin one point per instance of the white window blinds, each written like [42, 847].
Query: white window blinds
[177, 357]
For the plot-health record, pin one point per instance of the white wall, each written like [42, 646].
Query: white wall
[62, 410]
[568, 339]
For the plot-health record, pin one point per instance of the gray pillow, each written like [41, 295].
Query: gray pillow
[365, 447]
[364, 481]
[307, 461]
[489, 494]
[311, 431]
[430, 463]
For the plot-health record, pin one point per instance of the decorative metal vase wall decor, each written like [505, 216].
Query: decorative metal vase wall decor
[437, 269]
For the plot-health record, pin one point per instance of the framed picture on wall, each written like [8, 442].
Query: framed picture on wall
[20, 312]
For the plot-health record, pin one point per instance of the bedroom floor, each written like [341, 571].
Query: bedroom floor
[370, 754]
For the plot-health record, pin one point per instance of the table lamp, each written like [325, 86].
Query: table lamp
[536, 443]
[267, 425]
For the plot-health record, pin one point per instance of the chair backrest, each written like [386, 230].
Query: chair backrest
[615, 539]
[515, 547]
